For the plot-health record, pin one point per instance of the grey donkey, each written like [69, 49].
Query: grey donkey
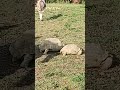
[41, 5]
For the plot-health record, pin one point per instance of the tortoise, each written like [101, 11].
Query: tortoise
[71, 49]
[95, 56]
[50, 44]
[23, 47]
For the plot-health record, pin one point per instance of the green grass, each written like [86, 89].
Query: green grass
[66, 22]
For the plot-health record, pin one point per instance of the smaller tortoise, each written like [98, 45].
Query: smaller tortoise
[50, 44]
[23, 47]
[71, 49]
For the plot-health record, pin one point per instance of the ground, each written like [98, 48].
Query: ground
[102, 26]
[66, 22]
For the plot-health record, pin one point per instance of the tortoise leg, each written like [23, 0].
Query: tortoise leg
[26, 61]
[106, 64]
[64, 54]
[46, 51]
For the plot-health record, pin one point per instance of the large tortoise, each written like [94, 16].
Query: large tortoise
[95, 56]
[50, 44]
[23, 47]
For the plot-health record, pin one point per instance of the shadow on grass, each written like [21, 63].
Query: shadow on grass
[49, 56]
[45, 58]
[54, 17]
[4, 27]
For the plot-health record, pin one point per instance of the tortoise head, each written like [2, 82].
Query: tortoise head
[80, 51]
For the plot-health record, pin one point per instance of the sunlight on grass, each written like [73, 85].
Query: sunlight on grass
[66, 22]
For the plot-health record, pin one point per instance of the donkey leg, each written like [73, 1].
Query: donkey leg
[40, 15]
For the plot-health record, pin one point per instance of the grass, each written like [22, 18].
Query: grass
[66, 22]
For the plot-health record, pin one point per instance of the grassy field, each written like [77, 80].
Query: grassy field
[66, 22]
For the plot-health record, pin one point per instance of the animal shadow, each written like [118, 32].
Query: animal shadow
[55, 17]
[49, 56]
[9, 26]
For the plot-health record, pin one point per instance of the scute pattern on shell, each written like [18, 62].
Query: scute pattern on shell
[71, 49]
[52, 44]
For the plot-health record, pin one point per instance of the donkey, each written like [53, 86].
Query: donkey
[41, 5]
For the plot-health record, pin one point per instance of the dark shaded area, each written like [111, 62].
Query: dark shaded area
[102, 27]
[38, 53]
[8, 68]
[32, 63]
[55, 17]
[8, 27]
[21, 14]
[28, 79]
[49, 56]
[116, 61]
[6, 65]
